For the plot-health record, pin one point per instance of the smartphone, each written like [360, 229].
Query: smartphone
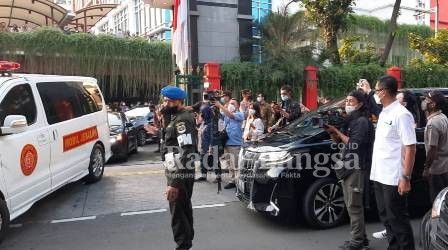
[326, 126]
[360, 83]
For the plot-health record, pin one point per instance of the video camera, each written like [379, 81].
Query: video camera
[211, 96]
[329, 117]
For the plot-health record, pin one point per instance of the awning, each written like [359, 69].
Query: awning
[86, 18]
[32, 13]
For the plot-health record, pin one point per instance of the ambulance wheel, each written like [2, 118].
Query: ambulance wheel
[4, 220]
[96, 166]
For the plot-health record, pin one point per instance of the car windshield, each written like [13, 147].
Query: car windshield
[304, 126]
[114, 120]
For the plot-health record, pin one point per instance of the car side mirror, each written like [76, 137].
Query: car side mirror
[14, 124]
[129, 125]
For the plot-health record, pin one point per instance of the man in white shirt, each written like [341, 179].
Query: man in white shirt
[392, 163]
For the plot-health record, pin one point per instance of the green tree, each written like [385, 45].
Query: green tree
[284, 35]
[351, 55]
[434, 49]
[330, 16]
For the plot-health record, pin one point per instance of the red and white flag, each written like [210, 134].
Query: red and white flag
[180, 33]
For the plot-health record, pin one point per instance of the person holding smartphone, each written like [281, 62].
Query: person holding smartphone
[373, 102]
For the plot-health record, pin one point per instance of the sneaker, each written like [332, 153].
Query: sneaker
[380, 235]
[230, 186]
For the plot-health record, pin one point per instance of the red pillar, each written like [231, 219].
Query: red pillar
[395, 72]
[212, 75]
[310, 88]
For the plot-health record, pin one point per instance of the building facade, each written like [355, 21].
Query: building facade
[81, 4]
[260, 10]
[414, 12]
[443, 14]
[135, 18]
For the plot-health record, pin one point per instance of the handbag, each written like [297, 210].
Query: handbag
[223, 136]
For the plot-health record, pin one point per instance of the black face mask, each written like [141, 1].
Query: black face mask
[170, 110]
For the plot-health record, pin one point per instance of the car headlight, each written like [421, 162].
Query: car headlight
[116, 138]
[435, 212]
[271, 159]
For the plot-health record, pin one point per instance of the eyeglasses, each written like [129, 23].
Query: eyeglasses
[378, 90]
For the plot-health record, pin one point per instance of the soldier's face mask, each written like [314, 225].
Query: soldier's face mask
[172, 106]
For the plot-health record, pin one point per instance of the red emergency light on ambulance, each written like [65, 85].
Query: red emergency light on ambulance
[53, 131]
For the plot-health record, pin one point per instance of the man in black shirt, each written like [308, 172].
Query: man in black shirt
[289, 110]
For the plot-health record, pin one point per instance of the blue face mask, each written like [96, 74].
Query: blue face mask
[222, 101]
[285, 97]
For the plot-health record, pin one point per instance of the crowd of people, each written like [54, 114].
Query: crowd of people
[13, 28]
[385, 154]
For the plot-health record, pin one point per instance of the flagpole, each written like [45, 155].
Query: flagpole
[189, 61]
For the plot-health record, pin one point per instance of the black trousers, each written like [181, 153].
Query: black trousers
[392, 209]
[437, 183]
[182, 216]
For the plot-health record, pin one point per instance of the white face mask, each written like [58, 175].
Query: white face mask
[424, 105]
[251, 111]
[285, 97]
[350, 109]
[259, 99]
[377, 99]
[231, 108]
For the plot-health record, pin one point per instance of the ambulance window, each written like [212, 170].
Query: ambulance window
[62, 101]
[19, 101]
[93, 95]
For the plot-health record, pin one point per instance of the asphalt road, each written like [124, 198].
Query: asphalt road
[127, 210]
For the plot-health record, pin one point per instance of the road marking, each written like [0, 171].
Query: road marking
[135, 173]
[15, 225]
[73, 219]
[144, 212]
[210, 205]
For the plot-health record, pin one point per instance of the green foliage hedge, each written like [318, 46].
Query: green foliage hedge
[124, 67]
[261, 78]
[333, 81]
[425, 75]
[374, 24]
[338, 81]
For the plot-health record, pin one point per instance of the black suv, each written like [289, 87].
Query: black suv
[273, 181]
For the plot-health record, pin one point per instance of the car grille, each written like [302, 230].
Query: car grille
[247, 166]
[442, 228]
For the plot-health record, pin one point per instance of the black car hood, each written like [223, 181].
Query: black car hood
[281, 141]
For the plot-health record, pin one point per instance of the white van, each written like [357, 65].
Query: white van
[53, 131]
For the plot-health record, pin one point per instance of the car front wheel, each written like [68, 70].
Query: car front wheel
[323, 204]
[141, 137]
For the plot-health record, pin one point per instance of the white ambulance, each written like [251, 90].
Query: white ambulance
[53, 131]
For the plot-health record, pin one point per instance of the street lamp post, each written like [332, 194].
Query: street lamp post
[436, 26]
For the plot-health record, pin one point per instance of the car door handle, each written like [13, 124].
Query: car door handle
[55, 135]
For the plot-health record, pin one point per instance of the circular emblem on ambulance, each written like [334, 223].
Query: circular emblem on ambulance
[28, 159]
